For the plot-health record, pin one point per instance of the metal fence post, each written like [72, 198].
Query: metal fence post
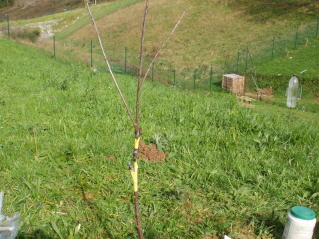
[238, 62]
[194, 79]
[317, 27]
[211, 78]
[8, 22]
[251, 59]
[273, 48]
[54, 47]
[91, 53]
[125, 51]
[153, 71]
[296, 38]
[247, 52]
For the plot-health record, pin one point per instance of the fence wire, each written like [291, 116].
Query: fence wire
[125, 60]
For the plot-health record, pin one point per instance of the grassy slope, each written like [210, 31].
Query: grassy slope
[266, 10]
[212, 31]
[303, 58]
[99, 11]
[39, 8]
[230, 170]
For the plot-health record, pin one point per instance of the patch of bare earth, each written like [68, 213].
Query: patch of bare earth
[150, 152]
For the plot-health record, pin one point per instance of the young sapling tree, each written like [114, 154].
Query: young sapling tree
[133, 167]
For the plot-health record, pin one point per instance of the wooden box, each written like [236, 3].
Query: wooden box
[234, 83]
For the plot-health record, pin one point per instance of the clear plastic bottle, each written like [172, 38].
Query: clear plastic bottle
[292, 92]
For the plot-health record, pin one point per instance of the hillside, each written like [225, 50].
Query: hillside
[26, 9]
[211, 40]
[211, 33]
[67, 140]
[228, 169]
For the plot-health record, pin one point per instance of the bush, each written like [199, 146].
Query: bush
[29, 33]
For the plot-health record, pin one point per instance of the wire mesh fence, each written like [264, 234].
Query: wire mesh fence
[125, 60]
[280, 45]
[5, 26]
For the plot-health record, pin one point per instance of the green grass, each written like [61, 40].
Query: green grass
[182, 51]
[303, 58]
[64, 18]
[262, 11]
[71, 21]
[224, 29]
[99, 11]
[67, 140]
[276, 74]
[221, 31]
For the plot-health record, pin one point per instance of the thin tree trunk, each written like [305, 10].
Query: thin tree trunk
[138, 131]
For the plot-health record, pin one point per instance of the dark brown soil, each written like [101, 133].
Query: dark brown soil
[150, 152]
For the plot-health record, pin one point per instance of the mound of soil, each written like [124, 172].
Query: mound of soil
[150, 152]
[265, 91]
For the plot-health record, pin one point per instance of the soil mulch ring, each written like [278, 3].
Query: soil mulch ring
[150, 152]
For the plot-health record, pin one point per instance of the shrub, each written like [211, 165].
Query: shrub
[29, 33]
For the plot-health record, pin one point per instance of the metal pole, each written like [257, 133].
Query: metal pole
[211, 78]
[238, 62]
[194, 79]
[317, 27]
[91, 52]
[251, 59]
[7, 17]
[125, 49]
[273, 48]
[247, 52]
[54, 47]
[8, 26]
[174, 77]
[296, 39]
[153, 71]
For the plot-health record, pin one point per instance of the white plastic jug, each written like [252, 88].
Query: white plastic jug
[300, 224]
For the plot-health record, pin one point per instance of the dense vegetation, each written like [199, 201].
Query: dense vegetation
[6, 3]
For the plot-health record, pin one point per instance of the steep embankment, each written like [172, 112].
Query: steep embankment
[26, 9]
[212, 32]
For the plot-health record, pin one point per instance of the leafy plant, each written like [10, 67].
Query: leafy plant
[29, 33]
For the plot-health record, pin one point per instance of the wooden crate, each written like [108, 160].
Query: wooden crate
[234, 83]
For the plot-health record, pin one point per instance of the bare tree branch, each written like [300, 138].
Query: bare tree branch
[134, 168]
[142, 40]
[157, 53]
[138, 96]
[109, 66]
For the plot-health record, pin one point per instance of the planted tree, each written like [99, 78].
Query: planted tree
[133, 167]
